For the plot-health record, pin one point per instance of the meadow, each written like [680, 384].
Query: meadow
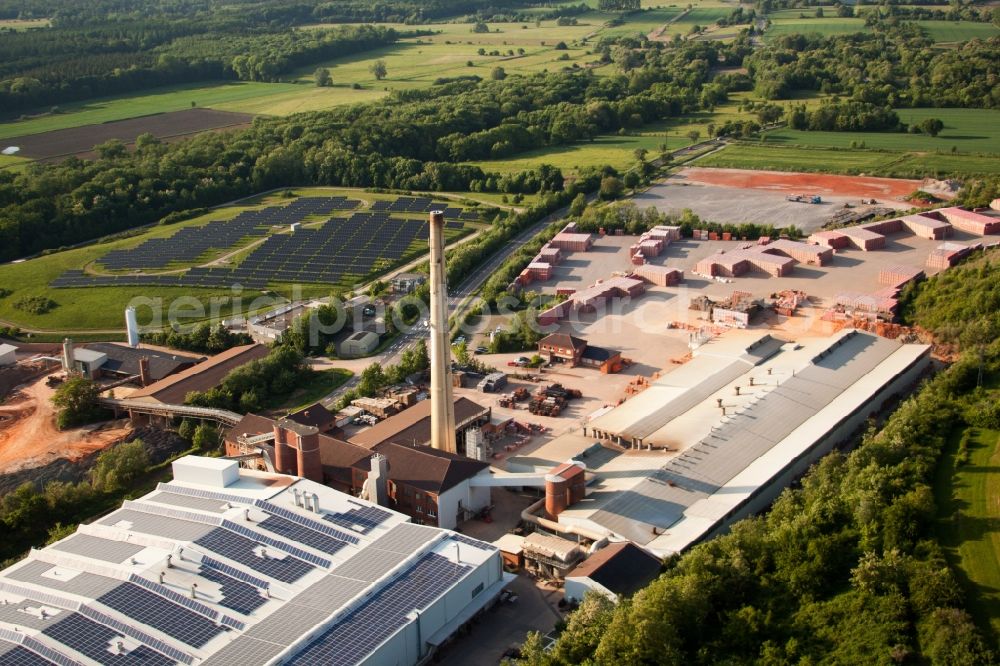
[618, 150]
[20, 25]
[753, 155]
[958, 31]
[966, 497]
[242, 96]
[99, 309]
[968, 130]
[822, 26]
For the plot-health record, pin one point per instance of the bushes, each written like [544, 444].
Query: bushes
[37, 305]
[203, 339]
[257, 384]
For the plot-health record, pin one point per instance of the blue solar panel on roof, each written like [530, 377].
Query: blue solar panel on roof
[236, 595]
[166, 616]
[280, 544]
[276, 510]
[96, 641]
[242, 550]
[353, 639]
[21, 656]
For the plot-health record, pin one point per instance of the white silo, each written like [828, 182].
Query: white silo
[132, 327]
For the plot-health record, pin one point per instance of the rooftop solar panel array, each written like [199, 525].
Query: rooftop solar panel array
[245, 551]
[353, 639]
[236, 595]
[362, 519]
[16, 655]
[153, 610]
[97, 642]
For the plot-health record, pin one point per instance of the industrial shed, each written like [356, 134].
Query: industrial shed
[359, 344]
[719, 437]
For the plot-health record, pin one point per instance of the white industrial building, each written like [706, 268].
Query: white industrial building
[8, 354]
[718, 438]
[230, 566]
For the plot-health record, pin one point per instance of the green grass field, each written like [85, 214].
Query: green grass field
[101, 308]
[958, 31]
[821, 26]
[968, 130]
[968, 501]
[752, 155]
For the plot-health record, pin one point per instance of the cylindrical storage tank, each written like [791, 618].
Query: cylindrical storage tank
[284, 457]
[556, 495]
[309, 464]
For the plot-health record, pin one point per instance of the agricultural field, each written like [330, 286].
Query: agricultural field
[81, 140]
[100, 308]
[237, 96]
[966, 496]
[968, 130]
[958, 31]
[821, 26]
[748, 155]
[20, 25]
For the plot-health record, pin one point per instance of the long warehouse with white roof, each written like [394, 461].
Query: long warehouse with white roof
[227, 566]
[718, 438]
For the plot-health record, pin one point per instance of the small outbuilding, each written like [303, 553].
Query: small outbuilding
[619, 569]
[7, 355]
[359, 344]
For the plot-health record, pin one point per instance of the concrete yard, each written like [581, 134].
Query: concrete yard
[731, 205]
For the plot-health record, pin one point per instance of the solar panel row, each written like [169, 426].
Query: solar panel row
[351, 640]
[340, 248]
[155, 611]
[362, 519]
[249, 553]
[192, 242]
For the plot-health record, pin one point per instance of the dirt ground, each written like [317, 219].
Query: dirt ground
[81, 140]
[814, 183]
[736, 196]
[29, 437]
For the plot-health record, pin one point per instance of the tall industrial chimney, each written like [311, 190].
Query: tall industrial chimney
[442, 402]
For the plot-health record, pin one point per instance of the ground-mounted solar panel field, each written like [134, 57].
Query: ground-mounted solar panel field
[305, 242]
[330, 251]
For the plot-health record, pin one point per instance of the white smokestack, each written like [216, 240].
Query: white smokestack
[131, 327]
[442, 402]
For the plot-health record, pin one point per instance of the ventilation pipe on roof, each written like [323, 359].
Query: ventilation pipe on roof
[737, 390]
[194, 590]
[161, 576]
[305, 501]
[751, 381]
[718, 402]
[169, 558]
[246, 515]
[315, 502]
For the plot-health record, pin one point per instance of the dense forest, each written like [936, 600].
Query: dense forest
[844, 568]
[110, 47]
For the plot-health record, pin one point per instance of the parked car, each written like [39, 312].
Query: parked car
[482, 350]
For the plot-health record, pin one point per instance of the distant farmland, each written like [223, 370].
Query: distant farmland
[81, 140]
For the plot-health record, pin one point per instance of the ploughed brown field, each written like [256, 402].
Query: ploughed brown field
[58, 144]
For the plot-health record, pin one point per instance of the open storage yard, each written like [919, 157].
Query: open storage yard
[81, 140]
[736, 196]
